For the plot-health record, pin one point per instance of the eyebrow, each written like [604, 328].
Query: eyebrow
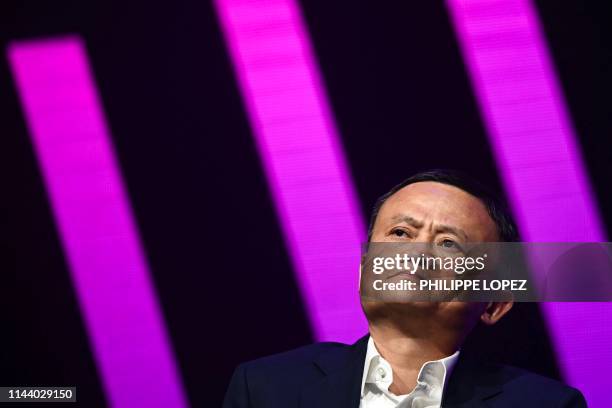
[407, 220]
[403, 218]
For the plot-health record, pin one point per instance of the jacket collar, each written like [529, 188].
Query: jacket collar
[468, 386]
[339, 388]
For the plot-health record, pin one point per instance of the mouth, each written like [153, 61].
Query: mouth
[406, 275]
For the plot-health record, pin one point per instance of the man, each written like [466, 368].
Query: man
[412, 355]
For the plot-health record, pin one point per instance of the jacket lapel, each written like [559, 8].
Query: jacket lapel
[469, 385]
[341, 385]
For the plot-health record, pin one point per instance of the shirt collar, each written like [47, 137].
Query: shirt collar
[429, 370]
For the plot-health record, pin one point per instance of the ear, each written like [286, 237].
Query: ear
[361, 261]
[360, 271]
[495, 311]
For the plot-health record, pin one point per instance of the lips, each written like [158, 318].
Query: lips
[406, 275]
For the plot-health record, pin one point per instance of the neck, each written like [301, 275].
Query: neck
[407, 345]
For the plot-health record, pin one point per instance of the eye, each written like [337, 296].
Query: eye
[447, 243]
[400, 233]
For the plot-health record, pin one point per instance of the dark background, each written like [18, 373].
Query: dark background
[402, 101]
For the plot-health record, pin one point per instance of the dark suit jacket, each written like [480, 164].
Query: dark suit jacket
[329, 375]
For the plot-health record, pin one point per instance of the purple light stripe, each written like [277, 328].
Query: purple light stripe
[302, 157]
[94, 219]
[536, 150]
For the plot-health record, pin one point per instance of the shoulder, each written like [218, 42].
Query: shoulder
[276, 380]
[523, 384]
[293, 359]
[518, 377]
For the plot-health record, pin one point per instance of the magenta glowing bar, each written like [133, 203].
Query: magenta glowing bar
[300, 151]
[536, 150]
[95, 223]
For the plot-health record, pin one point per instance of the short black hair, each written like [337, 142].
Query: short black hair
[498, 211]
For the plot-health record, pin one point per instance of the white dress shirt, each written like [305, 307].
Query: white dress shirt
[378, 376]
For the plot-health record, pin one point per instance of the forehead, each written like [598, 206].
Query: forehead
[430, 201]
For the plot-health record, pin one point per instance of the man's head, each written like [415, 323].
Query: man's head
[497, 211]
[446, 208]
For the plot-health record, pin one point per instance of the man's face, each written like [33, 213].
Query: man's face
[439, 214]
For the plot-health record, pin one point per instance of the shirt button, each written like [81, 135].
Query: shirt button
[381, 372]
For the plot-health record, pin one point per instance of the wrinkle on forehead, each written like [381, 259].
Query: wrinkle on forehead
[432, 202]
